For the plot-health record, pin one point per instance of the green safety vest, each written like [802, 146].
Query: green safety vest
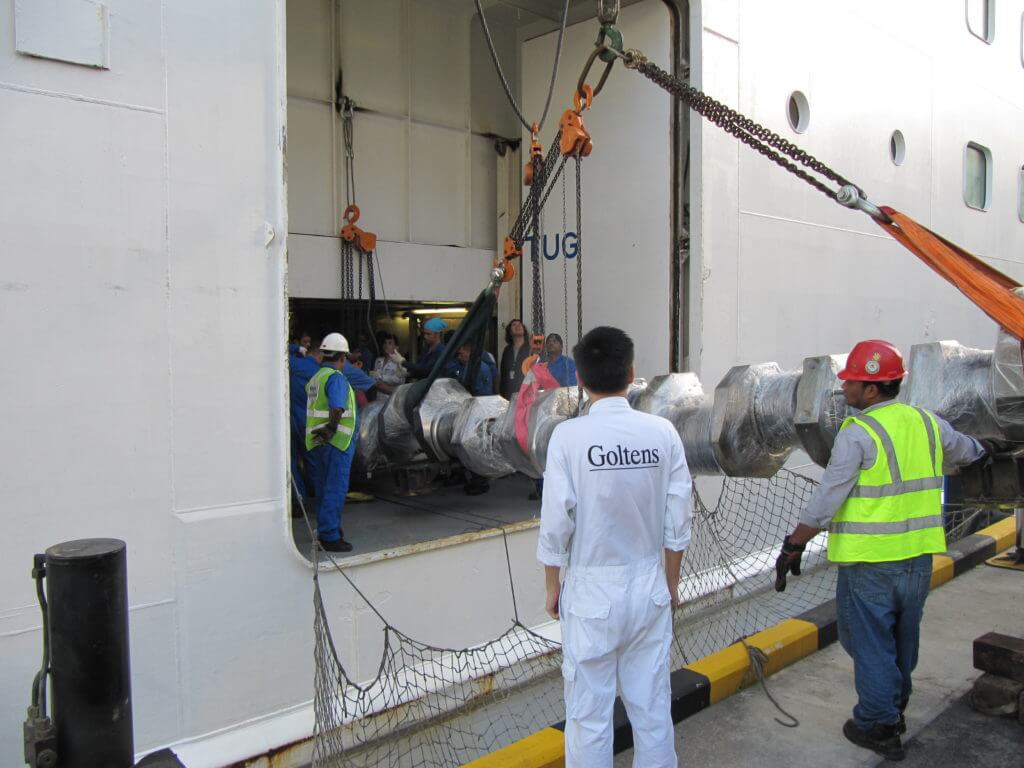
[318, 411]
[894, 512]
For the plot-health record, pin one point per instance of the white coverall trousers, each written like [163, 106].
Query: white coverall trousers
[617, 627]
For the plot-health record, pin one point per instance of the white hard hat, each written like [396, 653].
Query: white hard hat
[334, 342]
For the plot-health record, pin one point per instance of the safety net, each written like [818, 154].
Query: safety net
[432, 706]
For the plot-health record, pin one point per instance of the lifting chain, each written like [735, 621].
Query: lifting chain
[579, 249]
[754, 135]
[537, 293]
[565, 268]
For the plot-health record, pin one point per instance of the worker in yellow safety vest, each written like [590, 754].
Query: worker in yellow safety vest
[330, 433]
[880, 498]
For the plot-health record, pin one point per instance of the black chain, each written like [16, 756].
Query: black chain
[579, 249]
[537, 195]
[537, 316]
[359, 282]
[754, 135]
[347, 268]
[565, 268]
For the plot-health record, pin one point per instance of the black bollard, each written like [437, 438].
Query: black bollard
[87, 591]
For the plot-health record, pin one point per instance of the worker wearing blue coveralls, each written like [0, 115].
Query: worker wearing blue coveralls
[458, 368]
[561, 367]
[358, 378]
[301, 368]
[330, 429]
[432, 330]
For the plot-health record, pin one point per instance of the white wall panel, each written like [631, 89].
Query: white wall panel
[626, 257]
[156, 714]
[716, 273]
[84, 274]
[439, 50]
[490, 110]
[310, 38]
[310, 184]
[811, 277]
[86, 449]
[225, 283]
[483, 194]
[419, 272]
[375, 53]
[785, 316]
[382, 174]
[246, 666]
[136, 60]
[314, 267]
[438, 185]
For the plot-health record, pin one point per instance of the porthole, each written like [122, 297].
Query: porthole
[799, 112]
[977, 176]
[981, 19]
[1020, 195]
[897, 148]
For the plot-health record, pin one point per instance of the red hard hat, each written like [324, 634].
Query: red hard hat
[873, 360]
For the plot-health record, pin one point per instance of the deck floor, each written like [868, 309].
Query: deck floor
[392, 520]
[941, 730]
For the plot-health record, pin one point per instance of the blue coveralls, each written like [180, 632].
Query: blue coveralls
[359, 380]
[564, 370]
[300, 371]
[484, 384]
[331, 468]
[422, 367]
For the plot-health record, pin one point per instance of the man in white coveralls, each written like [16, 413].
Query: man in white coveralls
[616, 497]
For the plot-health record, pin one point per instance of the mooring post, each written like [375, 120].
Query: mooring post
[87, 594]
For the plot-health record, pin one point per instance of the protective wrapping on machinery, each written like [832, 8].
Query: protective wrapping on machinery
[758, 416]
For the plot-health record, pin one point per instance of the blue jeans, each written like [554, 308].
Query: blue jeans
[879, 608]
[331, 469]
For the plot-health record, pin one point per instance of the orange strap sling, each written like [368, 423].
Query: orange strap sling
[988, 288]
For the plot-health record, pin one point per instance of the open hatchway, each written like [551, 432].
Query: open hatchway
[398, 124]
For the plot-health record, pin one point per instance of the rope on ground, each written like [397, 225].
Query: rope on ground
[758, 661]
[511, 581]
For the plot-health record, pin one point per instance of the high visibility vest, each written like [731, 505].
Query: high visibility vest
[318, 411]
[894, 512]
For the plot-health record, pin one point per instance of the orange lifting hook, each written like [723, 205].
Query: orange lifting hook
[511, 251]
[363, 240]
[575, 138]
[536, 151]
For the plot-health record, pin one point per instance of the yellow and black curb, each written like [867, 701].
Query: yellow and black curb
[718, 676]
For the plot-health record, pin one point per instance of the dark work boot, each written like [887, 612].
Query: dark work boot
[338, 545]
[882, 739]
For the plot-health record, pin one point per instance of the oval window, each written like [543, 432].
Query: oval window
[799, 112]
[897, 148]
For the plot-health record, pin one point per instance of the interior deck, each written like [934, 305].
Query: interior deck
[393, 521]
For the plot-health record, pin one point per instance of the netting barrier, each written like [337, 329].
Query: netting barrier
[431, 706]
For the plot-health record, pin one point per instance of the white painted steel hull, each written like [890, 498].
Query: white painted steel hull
[146, 246]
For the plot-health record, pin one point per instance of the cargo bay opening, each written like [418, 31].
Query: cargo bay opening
[396, 107]
[430, 157]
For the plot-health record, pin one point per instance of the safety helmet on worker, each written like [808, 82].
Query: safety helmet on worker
[435, 325]
[334, 342]
[873, 360]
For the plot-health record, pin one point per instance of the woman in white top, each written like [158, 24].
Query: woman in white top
[387, 370]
